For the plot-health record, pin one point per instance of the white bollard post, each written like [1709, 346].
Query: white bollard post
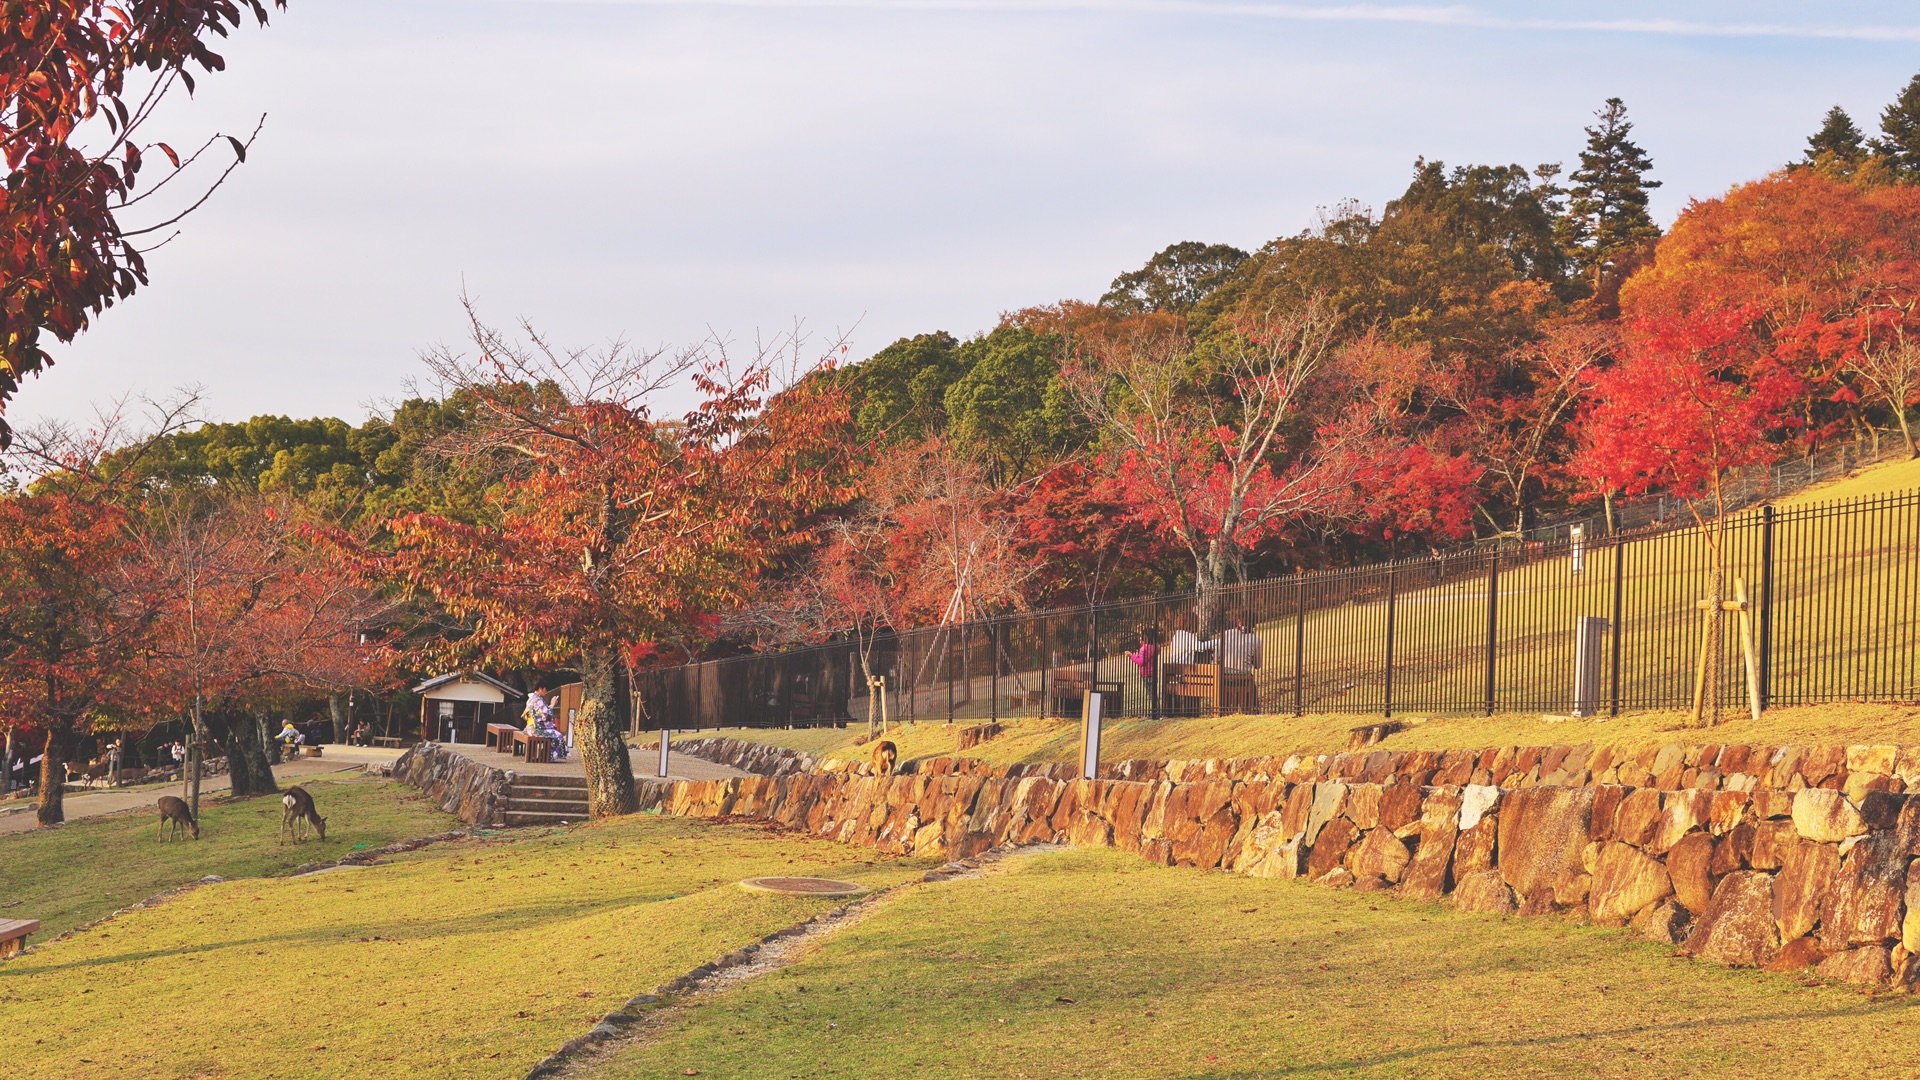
[1090, 710]
[666, 736]
[1589, 648]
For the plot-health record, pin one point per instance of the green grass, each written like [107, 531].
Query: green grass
[466, 959]
[1058, 741]
[1183, 973]
[90, 867]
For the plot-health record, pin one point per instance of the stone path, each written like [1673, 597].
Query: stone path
[20, 818]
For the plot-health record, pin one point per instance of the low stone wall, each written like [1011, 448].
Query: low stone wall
[1785, 880]
[1855, 770]
[458, 785]
[761, 759]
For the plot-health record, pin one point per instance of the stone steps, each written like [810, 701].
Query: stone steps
[544, 800]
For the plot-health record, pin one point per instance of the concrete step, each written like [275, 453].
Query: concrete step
[530, 791]
[559, 780]
[540, 817]
[576, 807]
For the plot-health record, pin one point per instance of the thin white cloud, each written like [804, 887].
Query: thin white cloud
[1419, 15]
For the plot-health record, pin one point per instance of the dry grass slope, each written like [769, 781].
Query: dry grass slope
[466, 959]
[1181, 973]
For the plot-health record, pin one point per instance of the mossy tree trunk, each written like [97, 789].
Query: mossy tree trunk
[599, 739]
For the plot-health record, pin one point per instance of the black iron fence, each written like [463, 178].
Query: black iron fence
[1834, 610]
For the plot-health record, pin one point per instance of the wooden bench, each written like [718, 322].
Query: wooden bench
[1067, 686]
[13, 935]
[500, 736]
[1206, 690]
[312, 751]
[539, 747]
[386, 740]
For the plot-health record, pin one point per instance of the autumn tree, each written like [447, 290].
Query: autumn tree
[80, 80]
[73, 619]
[1226, 449]
[615, 528]
[1889, 371]
[251, 609]
[1829, 267]
[1518, 424]
[1085, 539]
[1690, 400]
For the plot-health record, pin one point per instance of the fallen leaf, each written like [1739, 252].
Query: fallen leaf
[1065, 1000]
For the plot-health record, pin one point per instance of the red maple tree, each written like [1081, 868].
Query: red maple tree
[70, 69]
[615, 530]
[1689, 401]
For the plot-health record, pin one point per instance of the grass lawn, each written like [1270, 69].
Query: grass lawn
[1183, 973]
[473, 958]
[1253, 736]
[90, 867]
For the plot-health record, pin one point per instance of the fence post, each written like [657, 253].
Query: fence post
[1493, 623]
[1766, 605]
[1046, 662]
[1299, 646]
[993, 657]
[1393, 589]
[1619, 613]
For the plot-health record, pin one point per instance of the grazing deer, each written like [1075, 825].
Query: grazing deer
[300, 813]
[884, 755]
[174, 812]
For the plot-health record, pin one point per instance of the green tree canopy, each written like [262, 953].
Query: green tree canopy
[1175, 279]
[902, 389]
[1010, 409]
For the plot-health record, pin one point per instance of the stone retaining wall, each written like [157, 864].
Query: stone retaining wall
[1785, 880]
[458, 785]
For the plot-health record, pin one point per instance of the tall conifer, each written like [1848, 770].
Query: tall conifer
[1607, 203]
[1838, 138]
[1900, 124]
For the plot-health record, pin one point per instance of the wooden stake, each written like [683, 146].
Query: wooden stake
[1700, 669]
[1746, 646]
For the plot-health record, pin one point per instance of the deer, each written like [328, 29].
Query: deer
[174, 812]
[884, 755]
[300, 813]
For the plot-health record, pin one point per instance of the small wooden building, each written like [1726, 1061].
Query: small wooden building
[457, 707]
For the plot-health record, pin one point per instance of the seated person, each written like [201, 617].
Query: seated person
[1183, 648]
[1239, 648]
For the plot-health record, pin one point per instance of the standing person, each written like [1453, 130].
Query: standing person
[1146, 659]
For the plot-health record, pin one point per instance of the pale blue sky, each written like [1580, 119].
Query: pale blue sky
[654, 169]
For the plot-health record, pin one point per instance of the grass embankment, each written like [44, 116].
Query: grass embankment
[87, 868]
[1180, 973]
[467, 959]
[1058, 740]
[1882, 479]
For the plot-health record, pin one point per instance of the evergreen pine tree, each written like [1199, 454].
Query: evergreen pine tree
[1837, 138]
[1607, 202]
[1901, 125]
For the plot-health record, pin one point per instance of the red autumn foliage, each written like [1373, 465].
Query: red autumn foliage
[615, 529]
[1824, 266]
[64, 67]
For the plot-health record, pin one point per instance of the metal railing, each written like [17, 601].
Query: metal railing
[1835, 602]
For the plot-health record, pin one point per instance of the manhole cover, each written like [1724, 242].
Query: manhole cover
[802, 886]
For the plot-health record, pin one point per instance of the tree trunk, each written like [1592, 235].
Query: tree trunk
[1906, 432]
[196, 756]
[247, 757]
[596, 738]
[337, 716]
[53, 774]
[6, 766]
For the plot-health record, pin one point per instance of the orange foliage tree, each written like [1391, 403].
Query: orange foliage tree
[615, 530]
[1829, 267]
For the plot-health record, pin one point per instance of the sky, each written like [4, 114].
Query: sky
[662, 171]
